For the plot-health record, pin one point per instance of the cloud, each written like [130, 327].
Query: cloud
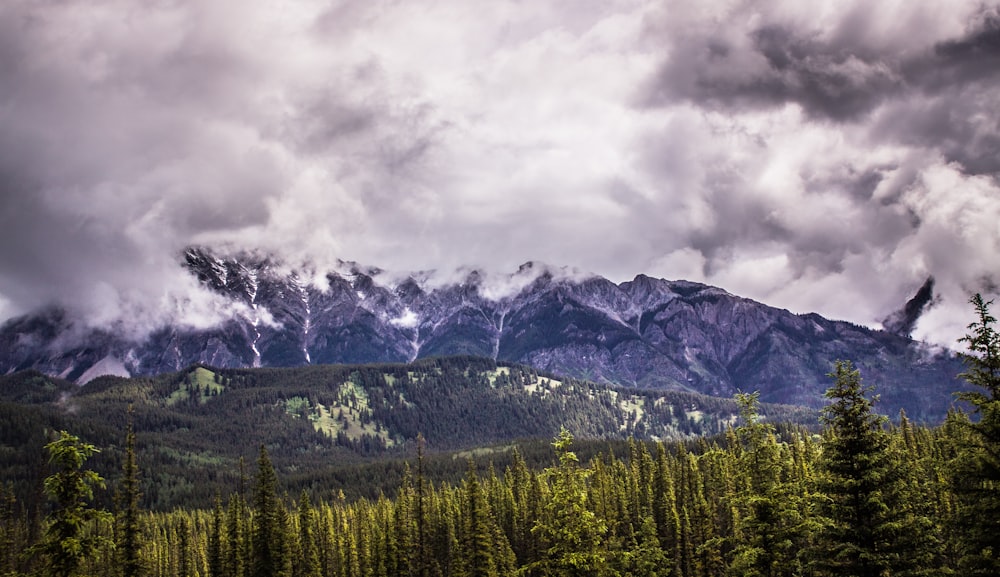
[821, 158]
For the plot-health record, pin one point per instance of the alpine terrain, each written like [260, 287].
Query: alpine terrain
[647, 333]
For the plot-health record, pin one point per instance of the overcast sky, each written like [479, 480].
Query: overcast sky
[816, 156]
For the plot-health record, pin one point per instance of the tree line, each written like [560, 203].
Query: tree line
[862, 497]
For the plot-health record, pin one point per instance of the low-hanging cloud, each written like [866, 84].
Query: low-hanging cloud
[820, 158]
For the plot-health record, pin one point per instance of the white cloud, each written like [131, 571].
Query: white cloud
[818, 157]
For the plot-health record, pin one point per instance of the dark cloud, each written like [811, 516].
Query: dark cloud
[823, 159]
[971, 59]
[835, 74]
[770, 65]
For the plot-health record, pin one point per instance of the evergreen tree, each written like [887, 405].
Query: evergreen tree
[476, 529]
[216, 555]
[128, 527]
[185, 567]
[770, 527]
[404, 525]
[307, 561]
[646, 559]
[571, 533]
[13, 531]
[268, 559]
[425, 563]
[668, 522]
[864, 516]
[234, 564]
[68, 540]
[975, 470]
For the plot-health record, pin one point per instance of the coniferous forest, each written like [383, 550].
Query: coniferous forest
[855, 495]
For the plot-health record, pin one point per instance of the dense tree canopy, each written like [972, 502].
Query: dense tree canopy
[858, 496]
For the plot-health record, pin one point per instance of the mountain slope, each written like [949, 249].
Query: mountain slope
[194, 426]
[646, 332]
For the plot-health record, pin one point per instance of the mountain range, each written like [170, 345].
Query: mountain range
[646, 333]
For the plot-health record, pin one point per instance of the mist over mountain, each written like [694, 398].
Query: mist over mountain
[649, 333]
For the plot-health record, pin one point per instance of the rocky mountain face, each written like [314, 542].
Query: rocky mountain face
[647, 332]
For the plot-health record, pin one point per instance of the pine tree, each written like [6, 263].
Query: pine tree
[184, 564]
[67, 542]
[860, 486]
[128, 528]
[571, 533]
[234, 564]
[13, 531]
[426, 564]
[476, 529]
[404, 525]
[975, 471]
[268, 559]
[646, 559]
[665, 505]
[216, 554]
[770, 526]
[307, 561]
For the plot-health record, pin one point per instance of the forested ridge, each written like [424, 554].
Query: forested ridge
[333, 427]
[859, 496]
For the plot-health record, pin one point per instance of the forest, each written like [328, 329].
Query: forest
[859, 496]
[331, 428]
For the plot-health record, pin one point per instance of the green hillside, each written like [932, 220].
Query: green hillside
[333, 427]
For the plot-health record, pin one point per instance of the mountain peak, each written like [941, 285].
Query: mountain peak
[645, 332]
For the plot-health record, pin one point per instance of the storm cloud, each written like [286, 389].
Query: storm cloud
[825, 157]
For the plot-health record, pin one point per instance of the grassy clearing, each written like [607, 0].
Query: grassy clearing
[199, 382]
[340, 418]
[543, 384]
[482, 451]
[635, 405]
[193, 459]
[493, 375]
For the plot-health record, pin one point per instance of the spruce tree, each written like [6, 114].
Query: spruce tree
[570, 532]
[234, 563]
[860, 486]
[770, 524]
[306, 563]
[477, 546]
[216, 555]
[404, 526]
[13, 531]
[68, 540]
[128, 527]
[425, 563]
[975, 470]
[269, 530]
[185, 566]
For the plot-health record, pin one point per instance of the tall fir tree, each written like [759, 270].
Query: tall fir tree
[425, 563]
[69, 539]
[234, 562]
[975, 470]
[476, 529]
[306, 563]
[770, 525]
[269, 531]
[128, 528]
[572, 535]
[861, 485]
[216, 540]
